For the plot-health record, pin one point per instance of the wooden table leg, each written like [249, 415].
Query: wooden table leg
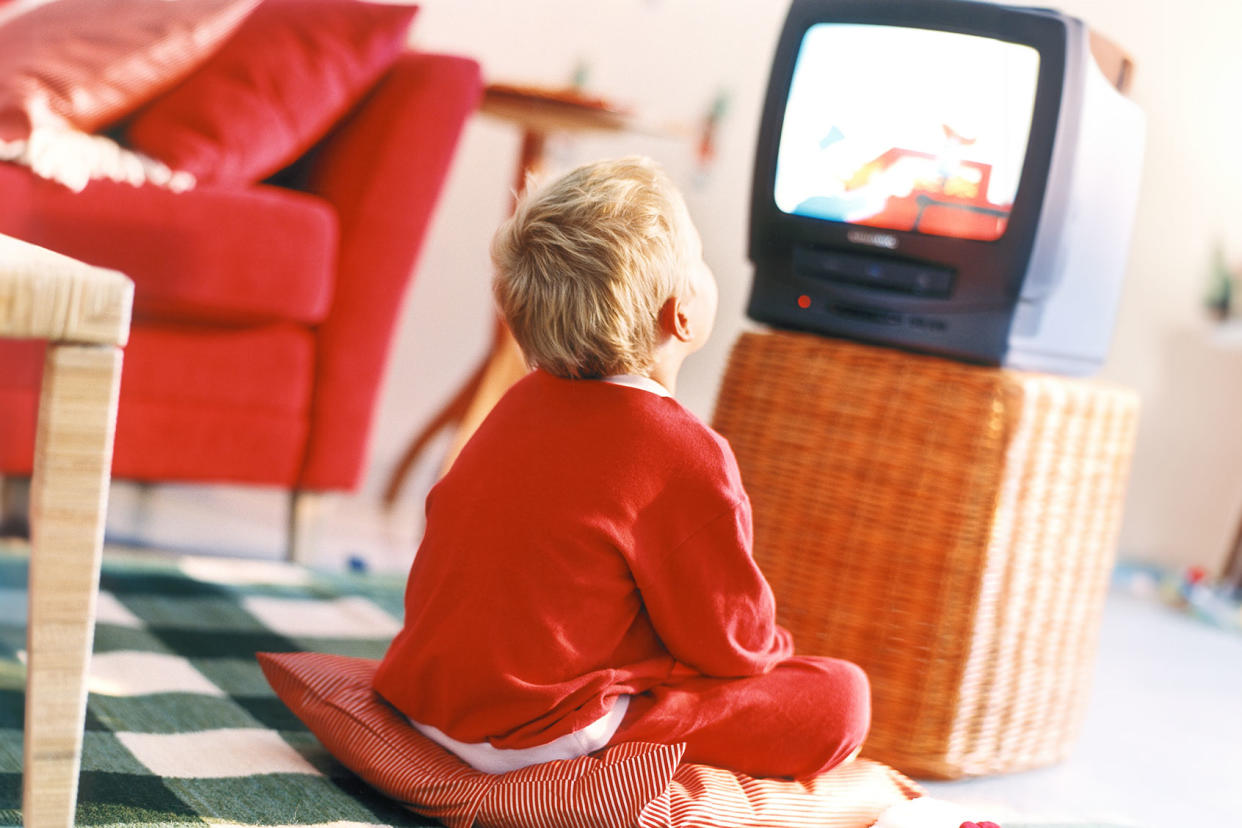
[500, 368]
[69, 494]
[449, 414]
[503, 365]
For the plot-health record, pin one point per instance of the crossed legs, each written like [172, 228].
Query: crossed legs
[807, 715]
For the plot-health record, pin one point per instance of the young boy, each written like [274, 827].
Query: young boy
[586, 577]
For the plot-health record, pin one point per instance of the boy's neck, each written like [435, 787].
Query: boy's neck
[666, 367]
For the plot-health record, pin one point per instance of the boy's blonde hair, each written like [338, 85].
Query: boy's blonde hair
[584, 265]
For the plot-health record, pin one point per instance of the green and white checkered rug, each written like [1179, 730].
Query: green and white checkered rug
[182, 728]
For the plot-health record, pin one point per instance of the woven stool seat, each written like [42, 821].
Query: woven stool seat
[948, 527]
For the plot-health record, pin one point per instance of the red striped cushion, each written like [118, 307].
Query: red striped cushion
[332, 695]
[848, 796]
[635, 784]
[91, 62]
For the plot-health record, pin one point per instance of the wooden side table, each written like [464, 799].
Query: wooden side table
[539, 113]
[83, 312]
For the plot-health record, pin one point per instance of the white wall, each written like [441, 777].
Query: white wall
[669, 58]
[1188, 71]
[1186, 489]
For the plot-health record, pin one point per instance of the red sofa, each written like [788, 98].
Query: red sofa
[263, 314]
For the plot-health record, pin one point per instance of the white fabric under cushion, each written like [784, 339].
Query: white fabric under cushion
[483, 757]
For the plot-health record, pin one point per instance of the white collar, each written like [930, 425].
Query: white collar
[639, 382]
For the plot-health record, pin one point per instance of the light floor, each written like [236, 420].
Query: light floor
[1161, 746]
[1162, 741]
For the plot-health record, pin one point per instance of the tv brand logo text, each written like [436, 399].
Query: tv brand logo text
[884, 240]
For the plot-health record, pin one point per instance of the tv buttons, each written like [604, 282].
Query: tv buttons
[930, 282]
[883, 274]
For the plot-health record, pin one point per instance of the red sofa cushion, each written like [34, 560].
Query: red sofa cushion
[292, 70]
[19, 402]
[265, 368]
[232, 401]
[204, 404]
[209, 255]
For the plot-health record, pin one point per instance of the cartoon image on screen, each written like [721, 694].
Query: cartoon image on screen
[906, 129]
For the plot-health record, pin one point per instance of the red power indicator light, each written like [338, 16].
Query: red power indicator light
[804, 301]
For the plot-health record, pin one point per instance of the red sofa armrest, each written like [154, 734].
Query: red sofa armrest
[382, 170]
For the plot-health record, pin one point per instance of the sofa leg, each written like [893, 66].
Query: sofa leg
[144, 496]
[303, 517]
[15, 506]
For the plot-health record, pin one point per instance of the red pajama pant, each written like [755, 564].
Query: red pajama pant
[805, 716]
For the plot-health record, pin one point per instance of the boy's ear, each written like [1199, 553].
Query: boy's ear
[674, 321]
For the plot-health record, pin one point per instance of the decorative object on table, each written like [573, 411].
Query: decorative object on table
[1221, 281]
[581, 76]
[264, 309]
[950, 528]
[708, 133]
[706, 149]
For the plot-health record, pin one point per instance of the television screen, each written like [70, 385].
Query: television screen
[906, 129]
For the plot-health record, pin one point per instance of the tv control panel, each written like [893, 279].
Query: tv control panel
[902, 277]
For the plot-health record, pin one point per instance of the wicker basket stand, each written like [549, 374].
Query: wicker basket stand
[948, 527]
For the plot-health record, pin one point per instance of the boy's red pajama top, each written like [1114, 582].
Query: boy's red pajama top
[591, 540]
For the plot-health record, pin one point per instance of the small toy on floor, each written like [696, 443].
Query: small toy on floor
[1191, 590]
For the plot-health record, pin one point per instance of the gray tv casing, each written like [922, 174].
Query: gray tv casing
[1045, 296]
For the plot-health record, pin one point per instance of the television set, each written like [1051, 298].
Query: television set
[946, 176]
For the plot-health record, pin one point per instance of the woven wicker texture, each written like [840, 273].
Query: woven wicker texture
[948, 527]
